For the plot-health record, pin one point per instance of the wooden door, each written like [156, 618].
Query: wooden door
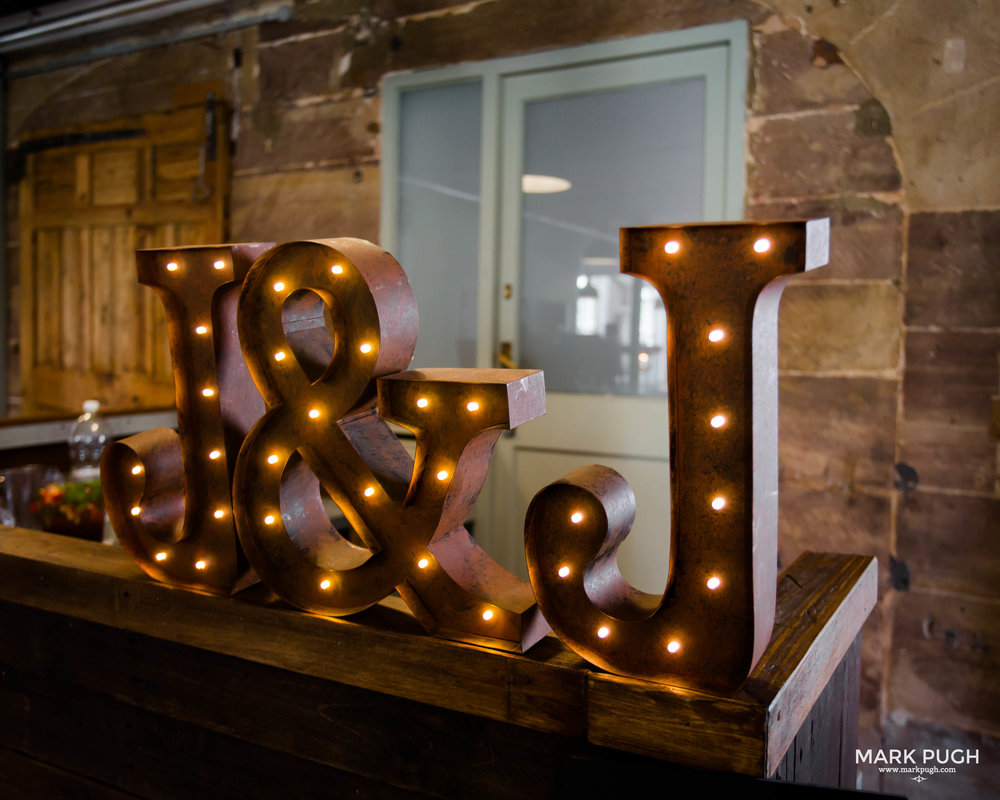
[89, 198]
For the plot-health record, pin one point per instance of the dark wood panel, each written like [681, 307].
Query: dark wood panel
[822, 602]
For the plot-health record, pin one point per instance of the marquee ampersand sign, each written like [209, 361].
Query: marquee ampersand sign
[721, 285]
[322, 427]
[168, 494]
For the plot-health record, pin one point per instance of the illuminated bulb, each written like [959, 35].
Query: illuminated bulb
[136, 511]
[442, 475]
[365, 348]
[214, 454]
[219, 513]
[324, 584]
[719, 503]
[718, 421]
[673, 646]
[716, 335]
[279, 356]
[313, 413]
[199, 565]
[473, 406]
[369, 491]
[672, 247]
[576, 517]
[422, 563]
[272, 459]
[762, 245]
[336, 269]
[136, 470]
[422, 402]
[487, 615]
[603, 632]
[160, 556]
[269, 519]
[279, 286]
[172, 266]
[208, 391]
[714, 583]
[219, 264]
[201, 330]
[563, 572]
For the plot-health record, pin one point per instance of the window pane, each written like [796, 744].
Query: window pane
[439, 217]
[633, 157]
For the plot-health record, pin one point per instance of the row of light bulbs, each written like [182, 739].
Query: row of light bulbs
[715, 335]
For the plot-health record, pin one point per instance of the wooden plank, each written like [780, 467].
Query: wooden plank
[83, 180]
[116, 176]
[193, 94]
[107, 186]
[86, 300]
[27, 252]
[140, 214]
[118, 391]
[821, 600]
[43, 269]
[827, 721]
[365, 733]
[682, 726]
[71, 323]
[102, 328]
[152, 756]
[55, 181]
[123, 291]
[185, 125]
[24, 778]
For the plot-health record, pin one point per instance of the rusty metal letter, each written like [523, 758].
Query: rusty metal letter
[322, 428]
[721, 286]
[168, 494]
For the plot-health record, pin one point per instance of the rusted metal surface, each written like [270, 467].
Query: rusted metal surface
[168, 494]
[721, 285]
[328, 400]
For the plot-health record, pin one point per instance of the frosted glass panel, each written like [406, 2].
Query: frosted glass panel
[634, 157]
[439, 217]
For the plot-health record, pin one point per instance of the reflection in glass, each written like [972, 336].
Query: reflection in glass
[440, 131]
[633, 157]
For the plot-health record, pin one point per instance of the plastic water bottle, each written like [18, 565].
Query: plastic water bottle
[86, 443]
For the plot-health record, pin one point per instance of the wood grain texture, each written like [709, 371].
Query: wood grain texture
[822, 601]
[86, 328]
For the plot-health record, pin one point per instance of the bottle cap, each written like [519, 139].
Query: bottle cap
[91, 406]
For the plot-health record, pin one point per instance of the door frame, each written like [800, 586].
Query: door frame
[729, 46]
[732, 36]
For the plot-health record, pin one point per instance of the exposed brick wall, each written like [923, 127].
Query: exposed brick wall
[881, 115]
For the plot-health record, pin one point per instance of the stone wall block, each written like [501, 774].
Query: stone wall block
[819, 154]
[339, 132]
[302, 67]
[313, 204]
[951, 543]
[797, 73]
[837, 433]
[945, 659]
[514, 27]
[866, 236]
[968, 781]
[834, 522]
[839, 327]
[953, 274]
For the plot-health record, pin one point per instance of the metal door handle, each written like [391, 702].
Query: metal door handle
[505, 356]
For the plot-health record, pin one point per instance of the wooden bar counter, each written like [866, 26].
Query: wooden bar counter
[113, 685]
